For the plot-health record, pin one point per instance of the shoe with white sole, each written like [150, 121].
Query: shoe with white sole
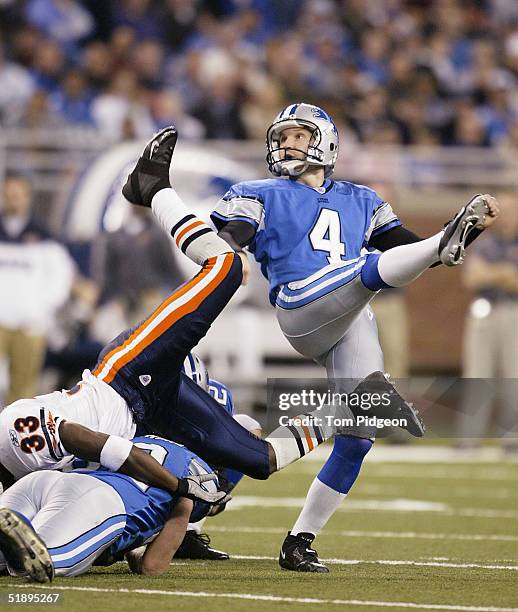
[453, 242]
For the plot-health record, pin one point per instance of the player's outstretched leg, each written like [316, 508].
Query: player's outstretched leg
[149, 185]
[142, 363]
[401, 265]
[23, 549]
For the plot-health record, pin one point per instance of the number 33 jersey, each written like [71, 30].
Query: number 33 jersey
[29, 428]
[308, 240]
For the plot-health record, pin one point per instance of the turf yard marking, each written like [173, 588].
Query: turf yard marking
[443, 473]
[421, 453]
[410, 535]
[398, 505]
[429, 471]
[391, 562]
[481, 490]
[374, 505]
[259, 597]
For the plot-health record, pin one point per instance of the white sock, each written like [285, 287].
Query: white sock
[300, 439]
[191, 235]
[403, 264]
[196, 526]
[321, 503]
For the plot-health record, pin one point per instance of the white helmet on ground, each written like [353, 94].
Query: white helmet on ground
[323, 147]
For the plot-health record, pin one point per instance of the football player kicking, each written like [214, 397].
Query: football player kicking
[60, 522]
[318, 242]
[138, 381]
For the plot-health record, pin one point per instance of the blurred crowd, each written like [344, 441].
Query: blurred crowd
[391, 71]
[418, 72]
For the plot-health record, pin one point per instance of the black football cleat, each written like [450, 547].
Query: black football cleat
[298, 556]
[196, 546]
[23, 549]
[469, 219]
[397, 408]
[151, 174]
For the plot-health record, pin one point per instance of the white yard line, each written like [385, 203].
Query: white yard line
[274, 598]
[513, 568]
[373, 505]
[405, 535]
[422, 453]
[482, 476]
[435, 472]
[479, 491]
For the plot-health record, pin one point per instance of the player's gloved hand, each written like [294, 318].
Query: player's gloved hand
[191, 487]
[218, 508]
[226, 486]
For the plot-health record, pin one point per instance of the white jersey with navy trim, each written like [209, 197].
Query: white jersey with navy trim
[308, 240]
[29, 428]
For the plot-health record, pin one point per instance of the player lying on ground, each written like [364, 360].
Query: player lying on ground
[196, 545]
[54, 522]
[138, 380]
[318, 242]
[114, 452]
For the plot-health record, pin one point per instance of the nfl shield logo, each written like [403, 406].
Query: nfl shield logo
[145, 379]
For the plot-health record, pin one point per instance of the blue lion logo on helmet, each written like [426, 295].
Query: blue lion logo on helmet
[318, 113]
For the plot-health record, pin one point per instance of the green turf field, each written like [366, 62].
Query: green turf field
[425, 534]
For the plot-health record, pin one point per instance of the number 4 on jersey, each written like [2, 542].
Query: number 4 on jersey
[326, 234]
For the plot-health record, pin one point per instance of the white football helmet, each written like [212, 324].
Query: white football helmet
[323, 147]
[194, 368]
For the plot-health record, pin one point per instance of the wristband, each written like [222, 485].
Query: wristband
[115, 452]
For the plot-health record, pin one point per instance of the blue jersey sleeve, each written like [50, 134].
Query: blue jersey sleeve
[242, 202]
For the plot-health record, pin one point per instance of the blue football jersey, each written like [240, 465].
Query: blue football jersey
[222, 394]
[311, 237]
[148, 508]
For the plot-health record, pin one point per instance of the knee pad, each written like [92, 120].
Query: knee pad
[370, 275]
[351, 448]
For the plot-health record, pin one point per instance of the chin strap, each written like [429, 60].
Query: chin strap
[292, 167]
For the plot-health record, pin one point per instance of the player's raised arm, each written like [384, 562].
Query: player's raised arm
[155, 558]
[120, 455]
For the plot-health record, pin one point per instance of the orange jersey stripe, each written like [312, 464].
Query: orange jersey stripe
[187, 229]
[305, 429]
[177, 314]
[174, 296]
